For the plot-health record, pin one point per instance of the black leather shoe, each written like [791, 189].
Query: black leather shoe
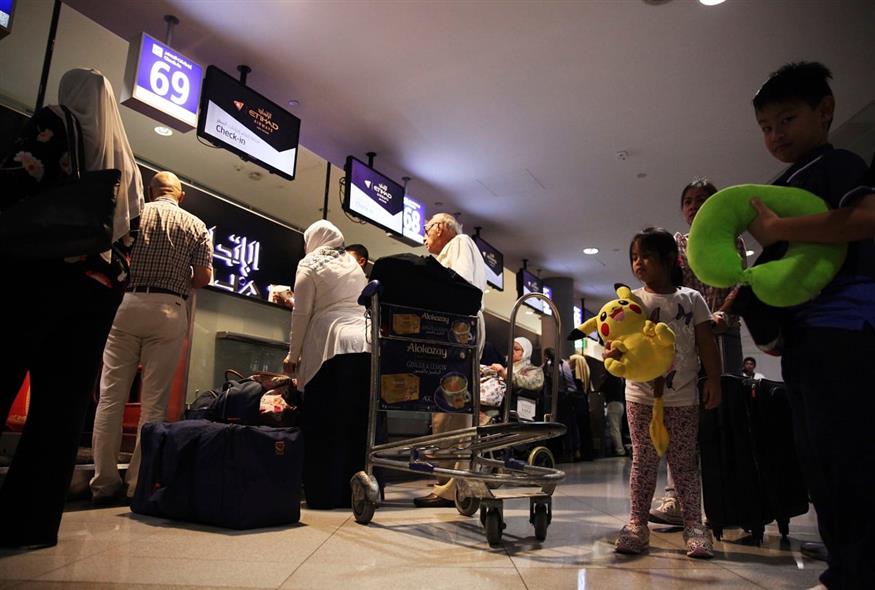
[27, 543]
[117, 499]
[433, 501]
[814, 551]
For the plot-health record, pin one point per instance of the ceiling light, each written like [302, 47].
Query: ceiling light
[711, 2]
[163, 131]
[591, 251]
[294, 103]
[750, 252]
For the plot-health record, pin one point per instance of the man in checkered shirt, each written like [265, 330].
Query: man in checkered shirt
[172, 255]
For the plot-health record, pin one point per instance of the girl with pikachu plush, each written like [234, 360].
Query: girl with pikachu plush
[653, 255]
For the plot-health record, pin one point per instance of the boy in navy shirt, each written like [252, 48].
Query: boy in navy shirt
[828, 359]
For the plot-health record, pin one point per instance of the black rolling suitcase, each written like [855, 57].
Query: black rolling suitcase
[227, 475]
[775, 447]
[750, 474]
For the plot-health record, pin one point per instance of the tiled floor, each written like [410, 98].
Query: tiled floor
[405, 547]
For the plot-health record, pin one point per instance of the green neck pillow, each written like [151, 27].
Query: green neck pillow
[801, 274]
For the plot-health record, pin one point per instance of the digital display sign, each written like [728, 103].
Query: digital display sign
[529, 283]
[162, 84]
[7, 8]
[494, 262]
[251, 252]
[546, 306]
[381, 201]
[414, 221]
[246, 123]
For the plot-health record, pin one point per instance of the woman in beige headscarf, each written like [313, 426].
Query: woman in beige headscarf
[328, 353]
[88, 94]
[57, 313]
[525, 374]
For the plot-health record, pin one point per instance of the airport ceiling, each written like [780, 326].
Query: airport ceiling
[555, 126]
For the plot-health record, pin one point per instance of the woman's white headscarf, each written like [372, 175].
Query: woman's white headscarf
[88, 94]
[323, 245]
[322, 233]
[526, 345]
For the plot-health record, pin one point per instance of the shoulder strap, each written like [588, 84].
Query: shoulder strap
[74, 139]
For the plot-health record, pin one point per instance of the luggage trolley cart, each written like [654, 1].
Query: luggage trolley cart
[403, 378]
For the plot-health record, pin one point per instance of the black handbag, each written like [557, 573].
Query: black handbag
[72, 218]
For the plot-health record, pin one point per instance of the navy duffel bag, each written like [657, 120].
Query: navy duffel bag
[232, 476]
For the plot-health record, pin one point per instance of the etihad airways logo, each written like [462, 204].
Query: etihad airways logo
[263, 120]
[238, 104]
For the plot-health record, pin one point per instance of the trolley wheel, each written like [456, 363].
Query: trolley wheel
[542, 457]
[466, 505]
[493, 527]
[362, 507]
[541, 522]
[784, 528]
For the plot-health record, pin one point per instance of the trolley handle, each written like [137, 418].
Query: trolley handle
[554, 394]
[371, 289]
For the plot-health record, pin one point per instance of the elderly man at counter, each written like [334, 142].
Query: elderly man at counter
[444, 240]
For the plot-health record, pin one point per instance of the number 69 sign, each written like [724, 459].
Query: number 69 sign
[162, 84]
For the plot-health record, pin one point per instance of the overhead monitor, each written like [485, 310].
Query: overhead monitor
[239, 119]
[529, 283]
[494, 263]
[161, 83]
[413, 227]
[546, 306]
[7, 9]
[379, 200]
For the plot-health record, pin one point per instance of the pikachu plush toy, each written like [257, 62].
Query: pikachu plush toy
[647, 349]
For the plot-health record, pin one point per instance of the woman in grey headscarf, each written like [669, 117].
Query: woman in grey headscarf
[329, 354]
[57, 314]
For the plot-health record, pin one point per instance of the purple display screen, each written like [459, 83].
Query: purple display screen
[414, 220]
[529, 283]
[168, 81]
[6, 9]
[494, 262]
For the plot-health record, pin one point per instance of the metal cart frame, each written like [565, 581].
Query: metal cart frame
[478, 475]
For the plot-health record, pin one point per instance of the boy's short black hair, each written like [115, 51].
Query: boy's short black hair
[749, 358]
[359, 249]
[802, 80]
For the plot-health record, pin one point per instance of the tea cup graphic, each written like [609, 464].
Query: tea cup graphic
[454, 387]
[462, 332]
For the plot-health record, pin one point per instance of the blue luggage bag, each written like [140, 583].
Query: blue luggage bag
[227, 475]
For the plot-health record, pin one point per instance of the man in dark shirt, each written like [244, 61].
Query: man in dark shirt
[832, 408]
